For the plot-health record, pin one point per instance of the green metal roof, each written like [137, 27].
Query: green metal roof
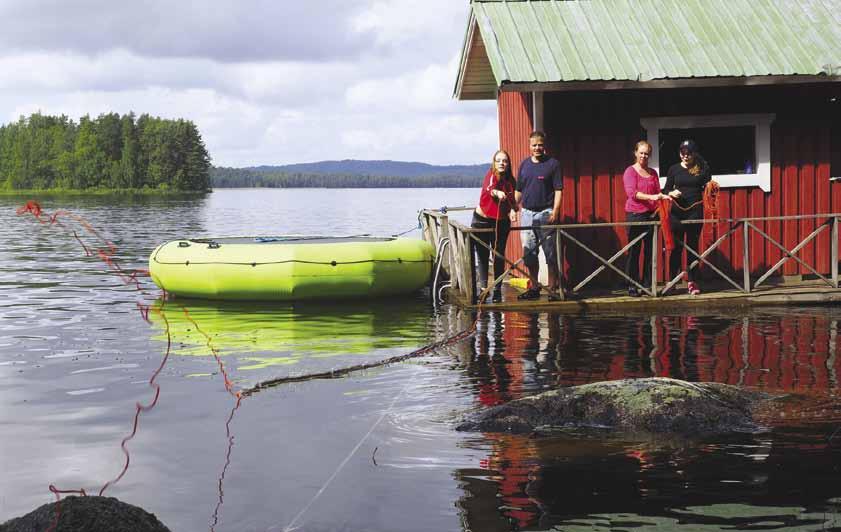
[558, 41]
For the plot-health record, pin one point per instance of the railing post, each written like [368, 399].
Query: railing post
[655, 250]
[452, 259]
[426, 234]
[469, 268]
[834, 237]
[746, 256]
[447, 259]
[559, 263]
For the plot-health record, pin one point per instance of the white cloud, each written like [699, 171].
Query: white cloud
[366, 80]
[221, 30]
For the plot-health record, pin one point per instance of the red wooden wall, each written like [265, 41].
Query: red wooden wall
[515, 125]
[593, 135]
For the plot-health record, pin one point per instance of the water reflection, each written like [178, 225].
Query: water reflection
[262, 336]
[784, 479]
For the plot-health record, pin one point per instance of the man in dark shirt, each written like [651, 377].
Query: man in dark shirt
[539, 193]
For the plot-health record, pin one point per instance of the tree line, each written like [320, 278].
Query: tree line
[111, 151]
[245, 178]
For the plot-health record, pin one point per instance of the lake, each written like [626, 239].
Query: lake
[377, 450]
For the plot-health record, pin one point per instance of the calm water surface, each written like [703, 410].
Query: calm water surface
[376, 451]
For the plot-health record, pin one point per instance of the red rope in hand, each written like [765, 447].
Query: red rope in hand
[664, 209]
[711, 191]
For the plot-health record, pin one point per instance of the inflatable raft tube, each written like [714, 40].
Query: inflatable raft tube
[291, 268]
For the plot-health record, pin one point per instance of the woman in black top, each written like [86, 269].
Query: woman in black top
[685, 182]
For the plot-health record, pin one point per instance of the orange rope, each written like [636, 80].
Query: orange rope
[710, 202]
[31, 206]
[140, 407]
[229, 386]
[710, 211]
[663, 210]
[57, 492]
[106, 253]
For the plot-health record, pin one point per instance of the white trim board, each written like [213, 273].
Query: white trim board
[762, 127]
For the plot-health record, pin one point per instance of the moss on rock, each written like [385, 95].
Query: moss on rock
[630, 405]
[87, 514]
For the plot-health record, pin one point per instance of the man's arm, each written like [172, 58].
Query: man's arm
[555, 217]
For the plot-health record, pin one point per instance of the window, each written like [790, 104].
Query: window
[737, 147]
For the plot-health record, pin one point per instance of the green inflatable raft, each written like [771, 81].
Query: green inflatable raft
[291, 268]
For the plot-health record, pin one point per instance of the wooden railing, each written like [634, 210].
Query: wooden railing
[456, 244]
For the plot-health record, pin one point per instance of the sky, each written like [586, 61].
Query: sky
[266, 81]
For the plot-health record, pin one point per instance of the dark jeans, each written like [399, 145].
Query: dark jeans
[632, 267]
[497, 239]
[692, 234]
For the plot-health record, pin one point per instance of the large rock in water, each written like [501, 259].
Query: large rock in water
[658, 405]
[87, 514]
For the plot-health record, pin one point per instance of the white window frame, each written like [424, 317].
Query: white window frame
[762, 128]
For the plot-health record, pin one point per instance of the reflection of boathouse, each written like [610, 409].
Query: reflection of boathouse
[757, 84]
[542, 482]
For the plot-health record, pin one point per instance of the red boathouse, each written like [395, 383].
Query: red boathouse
[757, 83]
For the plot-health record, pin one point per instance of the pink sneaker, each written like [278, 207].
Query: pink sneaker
[693, 289]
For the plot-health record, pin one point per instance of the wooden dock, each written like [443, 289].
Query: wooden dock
[793, 293]
[455, 262]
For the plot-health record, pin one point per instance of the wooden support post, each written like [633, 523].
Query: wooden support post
[831, 366]
[444, 231]
[655, 251]
[426, 231]
[559, 262]
[468, 269]
[746, 257]
[834, 237]
[452, 258]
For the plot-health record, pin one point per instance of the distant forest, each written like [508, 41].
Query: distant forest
[109, 152]
[350, 174]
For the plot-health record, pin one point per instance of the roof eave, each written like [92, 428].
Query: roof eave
[465, 55]
[675, 83]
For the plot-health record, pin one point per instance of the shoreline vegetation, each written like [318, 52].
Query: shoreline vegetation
[106, 155]
[101, 192]
[245, 178]
[145, 155]
[349, 174]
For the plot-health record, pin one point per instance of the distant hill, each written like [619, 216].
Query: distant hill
[350, 174]
[378, 168]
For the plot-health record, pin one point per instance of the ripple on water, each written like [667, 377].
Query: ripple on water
[413, 470]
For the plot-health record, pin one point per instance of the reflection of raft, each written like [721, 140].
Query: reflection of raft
[291, 268]
[268, 334]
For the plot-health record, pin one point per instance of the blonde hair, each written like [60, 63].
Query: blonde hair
[641, 143]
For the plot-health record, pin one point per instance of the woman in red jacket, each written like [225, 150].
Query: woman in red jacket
[496, 206]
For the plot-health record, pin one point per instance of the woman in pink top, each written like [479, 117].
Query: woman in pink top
[642, 186]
